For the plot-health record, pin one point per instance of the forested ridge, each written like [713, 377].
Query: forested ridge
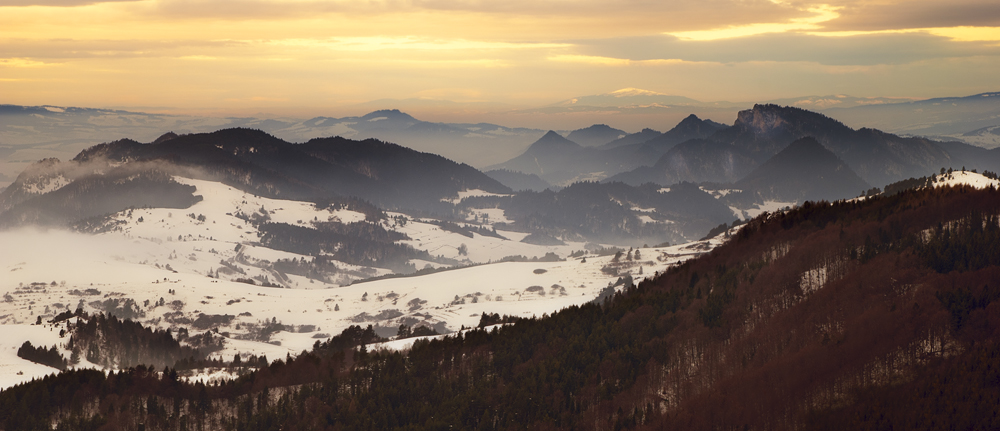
[872, 314]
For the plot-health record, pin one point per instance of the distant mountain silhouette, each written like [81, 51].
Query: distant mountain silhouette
[633, 138]
[596, 135]
[690, 127]
[805, 170]
[629, 97]
[930, 117]
[555, 159]
[480, 143]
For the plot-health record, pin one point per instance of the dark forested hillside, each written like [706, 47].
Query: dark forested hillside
[518, 181]
[695, 160]
[877, 314]
[803, 170]
[607, 212]
[132, 186]
[386, 174]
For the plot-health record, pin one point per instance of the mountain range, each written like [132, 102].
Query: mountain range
[112, 177]
[744, 166]
[29, 133]
[560, 161]
[703, 151]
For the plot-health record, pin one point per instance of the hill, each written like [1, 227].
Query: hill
[691, 127]
[864, 315]
[632, 139]
[615, 212]
[518, 181]
[596, 135]
[697, 161]
[556, 160]
[803, 170]
[387, 174]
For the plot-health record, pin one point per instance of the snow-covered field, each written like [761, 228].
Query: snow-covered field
[965, 177]
[170, 254]
[14, 370]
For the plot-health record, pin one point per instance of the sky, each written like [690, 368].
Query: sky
[307, 57]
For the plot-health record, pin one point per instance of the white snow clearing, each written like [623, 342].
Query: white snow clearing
[171, 253]
[965, 177]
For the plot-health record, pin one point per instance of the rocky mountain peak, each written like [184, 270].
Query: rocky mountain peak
[762, 119]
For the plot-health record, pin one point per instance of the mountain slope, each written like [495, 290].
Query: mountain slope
[480, 144]
[555, 159]
[97, 195]
[803, 170]
[697, 161]
[878, 157]
[689, 128]
[518, 181]
[569, 164]
[618, 213]
[387, 174]
[596, 135]
[639, 137]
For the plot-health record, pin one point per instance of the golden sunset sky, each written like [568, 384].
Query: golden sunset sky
[322, 57]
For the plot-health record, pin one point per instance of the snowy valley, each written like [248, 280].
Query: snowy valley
[203, 269]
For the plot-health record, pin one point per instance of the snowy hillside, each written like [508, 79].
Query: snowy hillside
[973, 179]
[170, 268]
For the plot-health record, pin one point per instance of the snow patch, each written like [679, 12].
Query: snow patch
[471, 193]
[968, 178]
[13, 369]
[46, 185]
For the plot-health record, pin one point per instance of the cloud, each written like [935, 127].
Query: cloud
[408, 43]
[44, 49]
[873, 49]
[819, 15]
[57, 3]
[916, 14]
[22, 62]
[591, 59]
